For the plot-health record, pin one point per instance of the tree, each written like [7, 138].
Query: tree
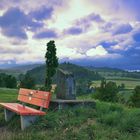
[111, 91]
[135, 98]
[103, 83]
[27, 81]
[2, 79]
[107, 91]
[121, 87]
[51, 64]
[10, 81]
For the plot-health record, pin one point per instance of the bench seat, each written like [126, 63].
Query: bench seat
[22, 110]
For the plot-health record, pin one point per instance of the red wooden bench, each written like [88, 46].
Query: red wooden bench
[27, 114]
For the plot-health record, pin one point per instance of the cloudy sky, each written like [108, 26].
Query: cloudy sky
[86, 32]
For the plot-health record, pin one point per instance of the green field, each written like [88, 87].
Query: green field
[7, 95]
[104, 122]
[130, 83]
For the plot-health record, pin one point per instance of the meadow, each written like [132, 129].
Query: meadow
[7, 94]
[130, 83]
[107, 121]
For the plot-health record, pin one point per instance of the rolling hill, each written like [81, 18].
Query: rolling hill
[20, 69]
[80, 73]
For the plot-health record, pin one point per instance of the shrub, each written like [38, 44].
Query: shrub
[107, 91]
[135, 98]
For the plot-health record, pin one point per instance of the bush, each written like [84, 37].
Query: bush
[135, 98]
[107, 91]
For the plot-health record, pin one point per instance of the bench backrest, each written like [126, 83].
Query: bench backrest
[34, 97]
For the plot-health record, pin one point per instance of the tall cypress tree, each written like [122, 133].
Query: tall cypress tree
[51, 63]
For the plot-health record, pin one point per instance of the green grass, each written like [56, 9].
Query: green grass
[7, 95]
[105, 122]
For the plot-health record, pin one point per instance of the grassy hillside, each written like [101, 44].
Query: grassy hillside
[79, 72]
[105, 122]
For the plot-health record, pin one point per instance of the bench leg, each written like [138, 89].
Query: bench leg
[8, 114]
[27, 121]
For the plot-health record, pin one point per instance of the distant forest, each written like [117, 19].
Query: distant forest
[8, 81]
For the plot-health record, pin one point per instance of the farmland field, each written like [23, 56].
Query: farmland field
[130, 83]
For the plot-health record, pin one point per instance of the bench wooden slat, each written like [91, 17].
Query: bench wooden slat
[34, 101]
[38, 98]
[35, 93]
[22, 110]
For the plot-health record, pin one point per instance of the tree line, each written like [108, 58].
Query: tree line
[7, 81]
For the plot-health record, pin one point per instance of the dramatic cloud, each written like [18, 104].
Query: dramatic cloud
[87, 32]
[107, 44]
[42, 14]
[122, 29]
[46, 34]
[74, 31]
[87, 21]
[14, 23]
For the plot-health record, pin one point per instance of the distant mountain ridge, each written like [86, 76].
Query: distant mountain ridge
[105, 69]
[24, 68]
[20, 69]
[110, 73]
[37, 71]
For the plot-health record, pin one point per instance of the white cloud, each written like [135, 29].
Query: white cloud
[69, 53]
[98, 51]
[117, 47]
